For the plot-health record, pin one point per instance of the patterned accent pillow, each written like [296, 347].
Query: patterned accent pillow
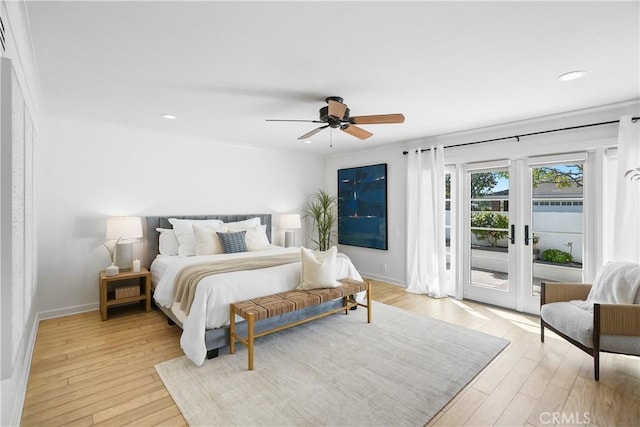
[233, 242]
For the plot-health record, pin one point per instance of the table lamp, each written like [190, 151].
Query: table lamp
[290, 222]
[124, 230]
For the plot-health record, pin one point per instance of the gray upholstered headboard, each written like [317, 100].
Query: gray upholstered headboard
[150, 224]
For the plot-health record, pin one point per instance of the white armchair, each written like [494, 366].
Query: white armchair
[604, 316]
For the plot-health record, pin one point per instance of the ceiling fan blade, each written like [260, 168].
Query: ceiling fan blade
[356, 131]
[313, 132]
[287, 120]
[377, 119]
[337, 109]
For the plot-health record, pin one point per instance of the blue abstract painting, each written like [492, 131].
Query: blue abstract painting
[362, 206]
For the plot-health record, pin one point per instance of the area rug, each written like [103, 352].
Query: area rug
[402, 369]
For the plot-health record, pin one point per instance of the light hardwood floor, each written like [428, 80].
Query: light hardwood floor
[89, 372]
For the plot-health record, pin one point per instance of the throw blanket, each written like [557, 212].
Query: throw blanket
[615, 283]
[188, 278]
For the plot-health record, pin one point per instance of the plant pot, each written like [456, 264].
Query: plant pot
[112, 270]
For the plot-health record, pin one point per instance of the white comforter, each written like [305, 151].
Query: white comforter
[210, 307]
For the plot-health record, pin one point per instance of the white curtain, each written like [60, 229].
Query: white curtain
[626, 220]
[426, 271]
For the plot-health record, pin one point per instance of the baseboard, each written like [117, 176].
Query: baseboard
[391, 280]
[76, 309]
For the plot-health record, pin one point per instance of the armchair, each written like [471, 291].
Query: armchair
[604, 316]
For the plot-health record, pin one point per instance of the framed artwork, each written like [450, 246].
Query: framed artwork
[362, 206]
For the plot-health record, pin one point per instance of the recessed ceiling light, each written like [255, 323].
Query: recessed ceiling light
[308, 141]
[169, 116]
[571, 75]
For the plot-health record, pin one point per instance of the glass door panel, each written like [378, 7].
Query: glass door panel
[557, 218]
[489, 226]
[488, 266]
[450, 231]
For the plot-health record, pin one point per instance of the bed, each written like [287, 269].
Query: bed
[204, 315]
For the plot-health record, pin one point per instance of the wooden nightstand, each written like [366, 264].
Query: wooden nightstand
[108, 296]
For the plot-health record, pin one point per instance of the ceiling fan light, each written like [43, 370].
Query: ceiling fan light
[572, 75]
[307, 141]
[336, 115]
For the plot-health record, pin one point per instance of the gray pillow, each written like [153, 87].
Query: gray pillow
[233, 242]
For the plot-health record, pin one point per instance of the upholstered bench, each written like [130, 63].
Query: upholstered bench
[275, 305]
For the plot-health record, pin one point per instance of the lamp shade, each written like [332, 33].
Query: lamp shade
[124, 227]
[290, 221]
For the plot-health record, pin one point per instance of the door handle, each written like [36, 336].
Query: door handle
[513, 234]
[526, 235]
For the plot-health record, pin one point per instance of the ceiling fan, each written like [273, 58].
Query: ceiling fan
[336, 116]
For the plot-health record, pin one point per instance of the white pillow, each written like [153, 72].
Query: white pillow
[256, 238]
[205, 239]
[167, 242]
[319, 269]
[243, 225]
[184, 233]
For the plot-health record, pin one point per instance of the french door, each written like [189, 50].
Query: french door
[523, 223]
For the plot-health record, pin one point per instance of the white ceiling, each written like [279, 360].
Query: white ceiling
[224, 67]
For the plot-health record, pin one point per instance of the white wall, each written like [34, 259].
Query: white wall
[390, 265]
[90, 171]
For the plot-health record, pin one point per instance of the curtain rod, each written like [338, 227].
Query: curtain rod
[517, 137]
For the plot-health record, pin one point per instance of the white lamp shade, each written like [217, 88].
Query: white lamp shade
[124, 227]
[290, 221]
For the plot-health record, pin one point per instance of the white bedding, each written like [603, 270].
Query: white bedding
[210, 307]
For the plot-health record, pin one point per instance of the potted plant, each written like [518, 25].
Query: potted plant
[557, 256]
[113, 269]
[535, 239]
[321, 208]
